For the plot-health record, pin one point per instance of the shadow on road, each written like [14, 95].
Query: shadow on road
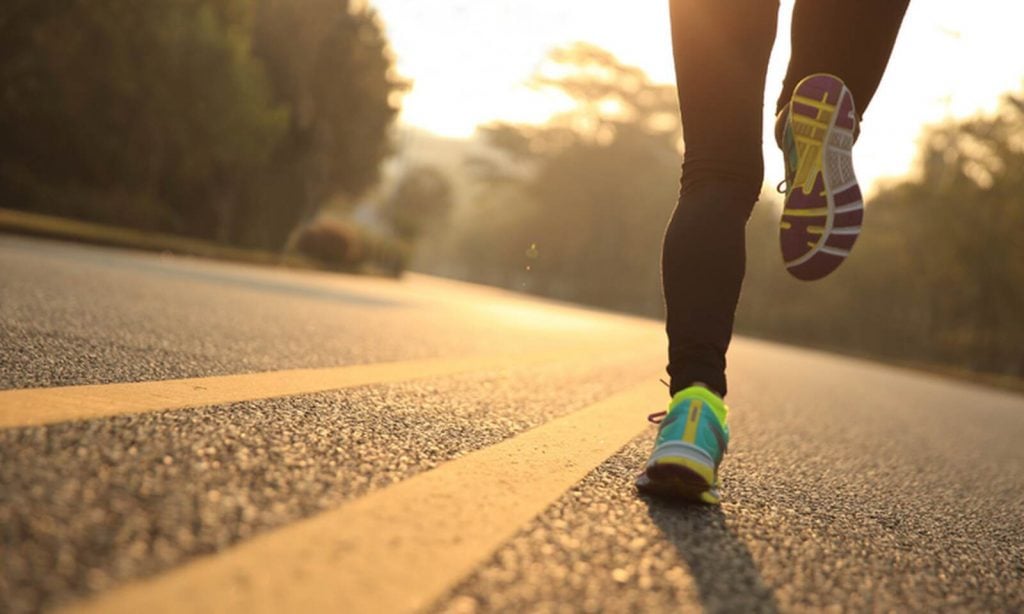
[725, 572]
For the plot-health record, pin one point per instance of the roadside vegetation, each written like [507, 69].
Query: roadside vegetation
[938, 274]
[575, 209]
[229, 121]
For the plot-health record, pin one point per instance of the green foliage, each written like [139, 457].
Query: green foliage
[938, 275]
[329, 241]
[576, 209]
[156, 100]
[159, 115]
[341, 245]
[330, 65]
[421, 198]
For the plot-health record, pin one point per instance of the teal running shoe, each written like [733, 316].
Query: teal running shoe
[692, 439]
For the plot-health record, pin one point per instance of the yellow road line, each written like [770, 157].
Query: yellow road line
[400, 548]
[36, 406]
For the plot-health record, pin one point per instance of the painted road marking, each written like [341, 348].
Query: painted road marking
[401, 548]
[36, 406]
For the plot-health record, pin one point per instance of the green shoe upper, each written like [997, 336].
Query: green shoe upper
[787, 143]
[699, 417]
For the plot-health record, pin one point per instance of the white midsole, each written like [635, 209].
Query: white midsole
[834, 140]
[681, 449]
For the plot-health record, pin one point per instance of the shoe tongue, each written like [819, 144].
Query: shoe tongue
[709, 398]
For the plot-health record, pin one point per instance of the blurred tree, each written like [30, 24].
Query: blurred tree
[589, 193]
[968, 231]
[329, 63]
[422, 197]
[937, 276]
[143, 114]
[160, 115]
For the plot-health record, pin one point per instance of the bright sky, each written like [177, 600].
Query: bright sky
[468, 60]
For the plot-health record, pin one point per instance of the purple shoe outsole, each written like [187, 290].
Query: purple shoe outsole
[824, 208]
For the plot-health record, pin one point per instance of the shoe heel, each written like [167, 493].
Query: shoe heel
[679, 469]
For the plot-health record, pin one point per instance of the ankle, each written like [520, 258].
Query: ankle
[700, 384]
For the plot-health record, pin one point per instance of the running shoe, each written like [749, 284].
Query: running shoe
[692, 439]
[824, 208]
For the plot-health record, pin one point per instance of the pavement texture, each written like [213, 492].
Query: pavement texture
[815, 526]
[76, 315]
[848, 485]
[120, 498]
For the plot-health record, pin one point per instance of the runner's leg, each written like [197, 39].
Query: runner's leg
[849, 39]
[721, 50]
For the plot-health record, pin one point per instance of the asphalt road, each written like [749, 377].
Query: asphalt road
[849, 486]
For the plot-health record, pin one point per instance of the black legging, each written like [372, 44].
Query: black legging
[721, 50]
